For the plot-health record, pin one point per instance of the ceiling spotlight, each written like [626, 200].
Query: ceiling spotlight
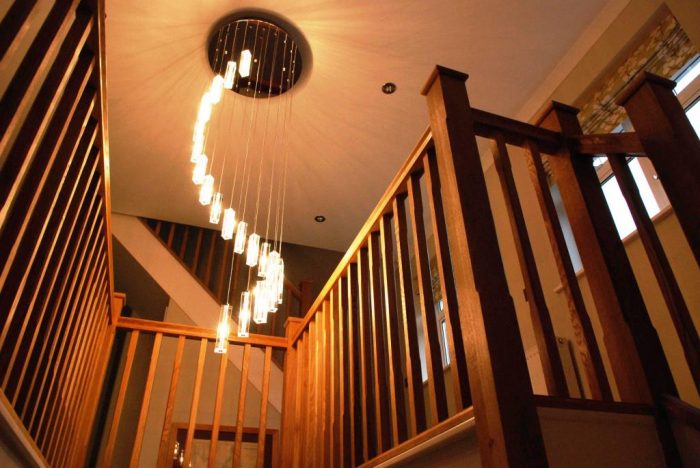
[388, 88]
[319, 218]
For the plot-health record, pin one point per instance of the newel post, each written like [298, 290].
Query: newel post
[671, 144]
[290, 381]
[507, 424]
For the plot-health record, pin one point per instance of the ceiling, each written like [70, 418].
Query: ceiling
[348, 139]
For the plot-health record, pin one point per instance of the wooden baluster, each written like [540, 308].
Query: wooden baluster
[171, 236]
[26, 113]
[218, 400]
[309, 452]
[14, 26]
[194, 404]
[69, 273]
[241, 407]
[332, 386]
[586, 342]
[341, 372]
[414, 377]
[397, 403]
[183, 246]
[327, 384]
[291, 390]
[119, 403]
[197, 250]
[164, 451]
[633, 346]
[369, 429]
[437, 397]
[354, 432]
[458, 357]
[677, 307]
[210, 257]
[264, 395]
[539, 312]
[79, 225]
[506, 419]
[672, 145]
[321, 394]
[64, 218]
[302, 399]
[381, 386]
[146, 400]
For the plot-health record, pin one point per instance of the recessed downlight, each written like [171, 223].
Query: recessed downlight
[389, 88]
[319, 218]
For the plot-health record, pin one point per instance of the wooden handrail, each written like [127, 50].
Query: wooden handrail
[190, 331]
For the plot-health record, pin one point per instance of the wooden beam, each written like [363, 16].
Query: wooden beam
[596, 145]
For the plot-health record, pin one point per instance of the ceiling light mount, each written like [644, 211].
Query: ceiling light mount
[261, 49]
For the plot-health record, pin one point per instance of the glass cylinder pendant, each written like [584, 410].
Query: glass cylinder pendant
[252, 250]
[280, 281]
[207, 190]
[244, 315]
[230, 74]
[200, 169]
[245, 61]
[263, 263]
[215, 213]
[197, 147]
[205, 107]
[261, 303]
[229, 224]
[216, 89]
[223, 330]
[241, 236]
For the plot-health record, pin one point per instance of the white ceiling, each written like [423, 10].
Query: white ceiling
[348, 138]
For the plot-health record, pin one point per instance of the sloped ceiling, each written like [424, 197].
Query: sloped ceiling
[348, 139]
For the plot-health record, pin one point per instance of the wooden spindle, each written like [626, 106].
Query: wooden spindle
[241, 406]
[108, 452]
[194, 402]
[539, 312]
[458, 357]
[354, 432]
[14, 26]
[218, 400]
[369, 428]
[145, 401]
[164, 450]
[264, 395]
[584, 335]
[437, 397]
[414, 377]
[381, 387]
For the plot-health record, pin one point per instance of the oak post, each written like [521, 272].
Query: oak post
[671, 144]
[507, 424]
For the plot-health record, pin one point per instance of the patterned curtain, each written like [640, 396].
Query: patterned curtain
[664, 52]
